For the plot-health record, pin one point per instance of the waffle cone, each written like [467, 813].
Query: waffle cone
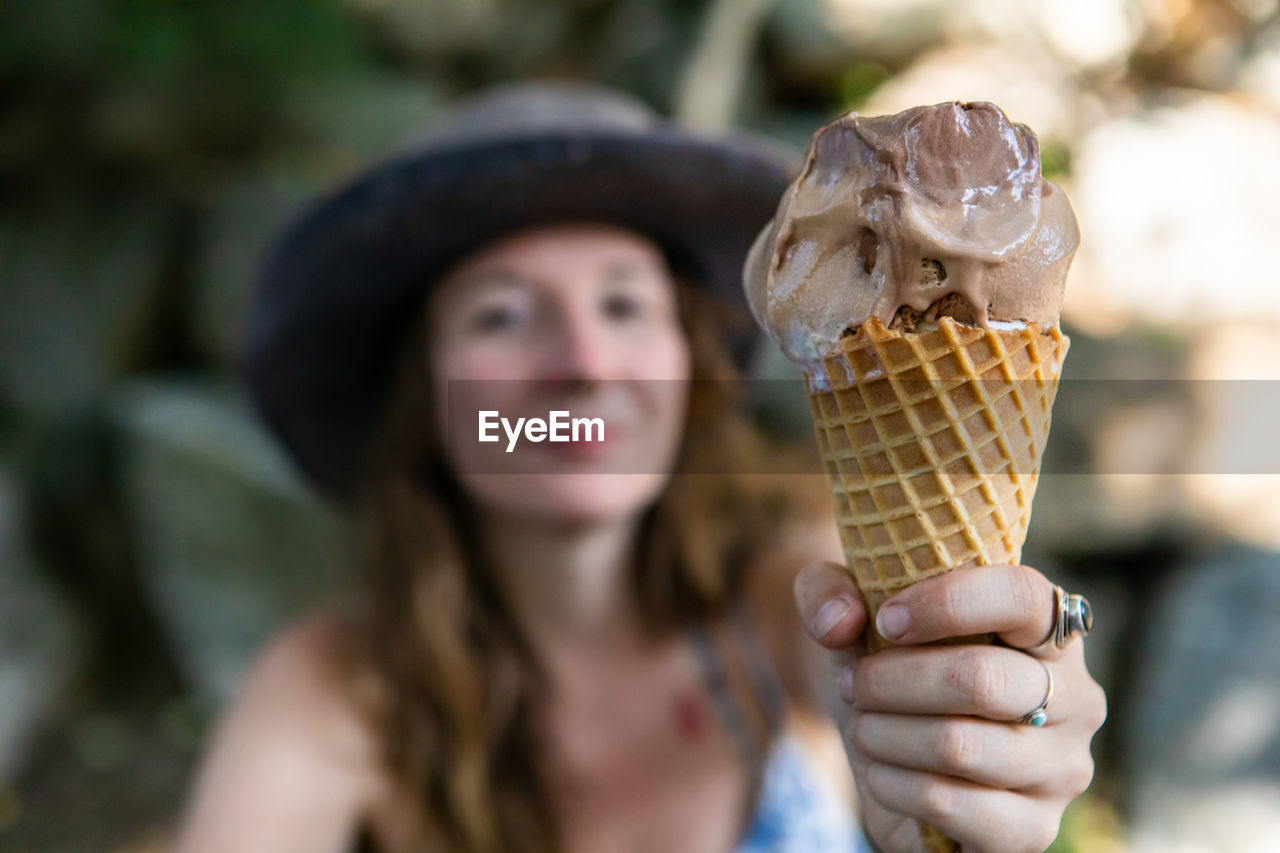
[932, 443]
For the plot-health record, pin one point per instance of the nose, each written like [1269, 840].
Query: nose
[581, 350]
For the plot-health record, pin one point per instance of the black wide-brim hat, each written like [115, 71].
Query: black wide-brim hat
[341, 284]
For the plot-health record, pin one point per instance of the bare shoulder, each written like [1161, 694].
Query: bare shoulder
[291, 764]
[308, 662]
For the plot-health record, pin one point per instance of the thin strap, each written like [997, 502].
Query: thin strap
[717, 681]
[364, 842]
[761, 669]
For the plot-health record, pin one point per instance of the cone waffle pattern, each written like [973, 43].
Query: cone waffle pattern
[932, 444]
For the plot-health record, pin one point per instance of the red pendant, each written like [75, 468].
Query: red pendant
[691, 717]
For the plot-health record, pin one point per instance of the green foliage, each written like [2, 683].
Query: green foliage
[249, 39]
[1055, 161]
[859, 81]
[161, 85]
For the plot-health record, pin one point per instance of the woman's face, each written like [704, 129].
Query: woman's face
[579, 319]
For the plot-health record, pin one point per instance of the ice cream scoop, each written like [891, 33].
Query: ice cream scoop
[938, 210]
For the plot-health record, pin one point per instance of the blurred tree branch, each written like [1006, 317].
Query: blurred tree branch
[712, 84]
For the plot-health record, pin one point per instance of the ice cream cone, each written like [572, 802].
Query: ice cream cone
[932, 444]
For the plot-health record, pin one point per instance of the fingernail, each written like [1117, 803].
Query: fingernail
[892, 621]
[829, 615]
[846, 685]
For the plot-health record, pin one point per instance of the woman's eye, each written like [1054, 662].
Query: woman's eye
[620, 306]
[495, 318]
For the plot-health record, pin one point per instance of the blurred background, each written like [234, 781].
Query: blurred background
[151, 536]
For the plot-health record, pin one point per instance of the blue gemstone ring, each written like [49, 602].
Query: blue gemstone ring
[1072, 620]
[1039, 715]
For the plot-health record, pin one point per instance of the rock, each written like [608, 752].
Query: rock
[1259, 76]
[1026, 84]
[242, 218]
[41, 646]
[1149, 255]
[818, 38]
[350, 122]
[231, 543]
[1201, 736]
[1086, 34]
[1233, 467]
[78, 278]
[1122, 424]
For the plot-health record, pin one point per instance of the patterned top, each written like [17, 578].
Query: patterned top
[796, 812]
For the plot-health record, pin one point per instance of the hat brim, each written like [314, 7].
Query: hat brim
[339, 287]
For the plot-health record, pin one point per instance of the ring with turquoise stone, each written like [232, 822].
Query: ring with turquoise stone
[1039, 715]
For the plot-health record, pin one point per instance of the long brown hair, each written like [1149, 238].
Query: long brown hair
[458, 683]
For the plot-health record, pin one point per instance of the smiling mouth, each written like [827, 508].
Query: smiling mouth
[582, 448]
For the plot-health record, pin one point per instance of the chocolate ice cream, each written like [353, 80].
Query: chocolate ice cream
[938, 210]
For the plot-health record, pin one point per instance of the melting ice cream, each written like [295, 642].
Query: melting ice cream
[938, 210]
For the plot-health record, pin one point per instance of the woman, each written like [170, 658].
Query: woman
[578, 646]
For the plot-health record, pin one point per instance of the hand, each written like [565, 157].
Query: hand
[932, 732]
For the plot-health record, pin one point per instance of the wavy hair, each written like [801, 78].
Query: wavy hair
[457, 682]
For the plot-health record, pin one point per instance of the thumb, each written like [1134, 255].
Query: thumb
[830, 606]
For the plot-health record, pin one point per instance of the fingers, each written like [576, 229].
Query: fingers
[1015, 602]
[975, 815]
[893, 831]
[985, 681]
[829, 605]
[996, 755]
[933, 738]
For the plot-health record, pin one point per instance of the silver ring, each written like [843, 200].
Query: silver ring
[1039, 715]
[1072, 618]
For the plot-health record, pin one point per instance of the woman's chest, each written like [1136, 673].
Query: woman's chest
[635, 759]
